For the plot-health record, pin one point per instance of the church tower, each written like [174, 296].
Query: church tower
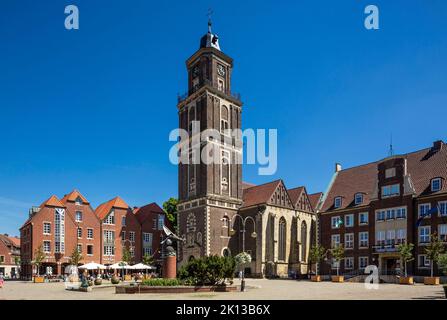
[209, 193]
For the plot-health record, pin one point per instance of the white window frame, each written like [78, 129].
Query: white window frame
[366, 214]
[110, 219]
[123, 221]
[79, 232]
[361, 234]
[380, 237]
[90, 233]
[349, 239]
[425, 235]
[46, 223]
[390, 173]
[333, 242]
[338, 202]
[76, 216]
[387, 191]
[401, 236]
[439, 180]
[351, 259]
[351, 217]
[442, 208]
[358, 196]
[380, 214]
[79, 247]
[132, 236]
[360, 262]
[442, 236]
[335, 219]
[44, 246]
[427, 207]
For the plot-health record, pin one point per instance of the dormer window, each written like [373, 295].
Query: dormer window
[337, 202]
[358, 198]
[436, 184]
[389, 173]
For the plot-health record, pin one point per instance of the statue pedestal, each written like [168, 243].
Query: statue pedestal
[170, 267]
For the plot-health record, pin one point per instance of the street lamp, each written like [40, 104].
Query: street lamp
[253, 235]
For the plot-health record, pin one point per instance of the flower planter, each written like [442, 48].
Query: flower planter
[431, 281]
[406, 280]
[90, 283]
[315, 278]
[98, 282]
[115, 280]
[39, 279]
[338, 279]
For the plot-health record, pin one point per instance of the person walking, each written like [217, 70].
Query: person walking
[2, 281]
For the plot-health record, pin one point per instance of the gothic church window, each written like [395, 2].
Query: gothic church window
[282, 240]
[303, 241]
[225, 169]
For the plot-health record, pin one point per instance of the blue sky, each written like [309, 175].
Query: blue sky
[92, 109]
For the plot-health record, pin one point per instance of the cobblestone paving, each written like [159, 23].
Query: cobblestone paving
[259, 289]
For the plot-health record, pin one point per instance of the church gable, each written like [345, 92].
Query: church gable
[280, 197]
[300, 199]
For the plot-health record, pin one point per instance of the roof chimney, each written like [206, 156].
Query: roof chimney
[437, 145]
[337, 167]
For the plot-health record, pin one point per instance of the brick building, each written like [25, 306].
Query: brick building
[9, 256]
[213, 201]
[372, 208]
[61, 226]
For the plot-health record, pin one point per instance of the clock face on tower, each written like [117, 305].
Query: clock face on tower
[221, 70]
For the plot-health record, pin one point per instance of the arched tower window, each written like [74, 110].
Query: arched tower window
[225, 169]
[282, 240]
[225, 227]
[224, 117]
[303, 241]
[191, 118]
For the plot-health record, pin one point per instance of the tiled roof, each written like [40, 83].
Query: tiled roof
[295, 194]
[72, 196]
[259, 194]
[15, 241]
[104, 209]
[246, 185]
[10, 241]
[52, 201]
[315, 199]
[422, 166]
[144, 212]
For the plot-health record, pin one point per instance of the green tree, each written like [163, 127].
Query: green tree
[442, 262]
[210, 270]
[170, 207]
[316, 255]
[148, 259]
[338, 253]
[39, 257]
[76, 257]
[127, 255]
[433, 250]
[406, 254]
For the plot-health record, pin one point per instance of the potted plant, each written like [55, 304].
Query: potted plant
[434, 249]
[338, 254]
[39, 257]
[115, 279]
[98, 281]
[242, 259]
[442, 264]
[406, 255]
[316, 255]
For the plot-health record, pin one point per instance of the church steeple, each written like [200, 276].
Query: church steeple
[210, 40]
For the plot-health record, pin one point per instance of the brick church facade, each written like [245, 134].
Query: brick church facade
[214, 204]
